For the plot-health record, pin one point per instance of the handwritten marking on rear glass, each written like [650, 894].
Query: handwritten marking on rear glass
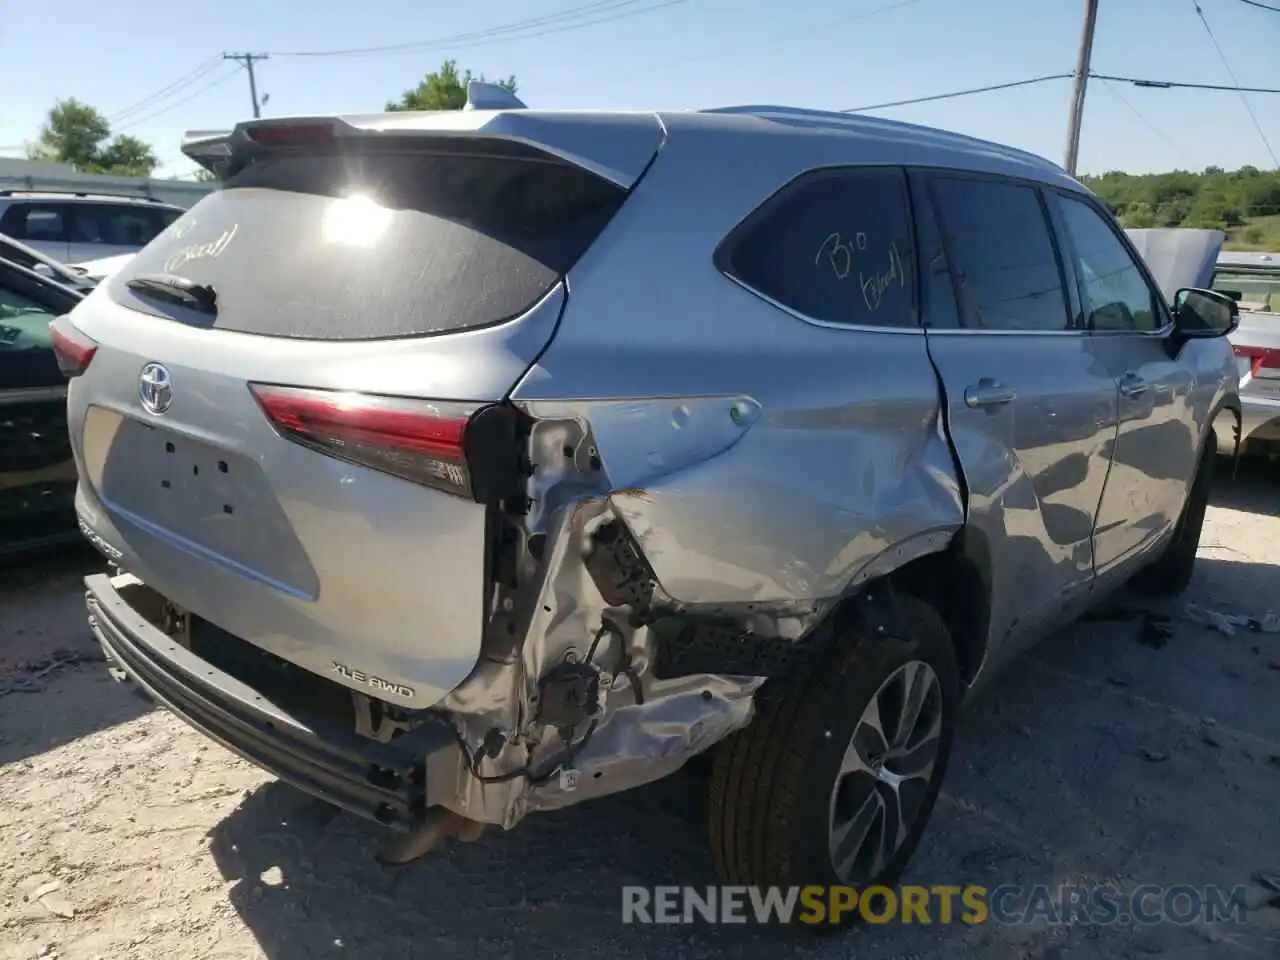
[875, 286]
[838, 253]
[199, 251]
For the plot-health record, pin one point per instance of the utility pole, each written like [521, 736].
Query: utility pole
[1082, 79]
[248, 59]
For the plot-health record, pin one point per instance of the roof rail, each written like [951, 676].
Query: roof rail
[854, 120]
[57, 192]
[490, 96]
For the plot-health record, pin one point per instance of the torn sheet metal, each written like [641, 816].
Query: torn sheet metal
[731, 510]
[760, 523]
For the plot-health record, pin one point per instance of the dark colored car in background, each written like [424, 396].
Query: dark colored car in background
[37, 473]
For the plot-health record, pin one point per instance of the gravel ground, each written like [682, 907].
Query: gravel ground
[1108, 755]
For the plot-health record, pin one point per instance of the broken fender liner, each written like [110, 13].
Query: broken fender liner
[723, 648]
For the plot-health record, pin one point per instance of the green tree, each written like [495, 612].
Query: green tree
[445, 89]
[78, 135]
[128, 157]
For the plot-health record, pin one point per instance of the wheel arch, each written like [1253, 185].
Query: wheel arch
[955, 580]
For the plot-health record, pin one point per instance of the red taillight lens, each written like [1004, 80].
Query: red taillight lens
[1259, 357]
[417, 440]
[72, 348]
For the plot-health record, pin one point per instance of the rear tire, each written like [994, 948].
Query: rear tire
[783, 788]
[1171, 574]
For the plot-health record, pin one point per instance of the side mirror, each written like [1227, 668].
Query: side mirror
[1204, 314]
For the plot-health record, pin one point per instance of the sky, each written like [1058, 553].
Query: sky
[134, 60]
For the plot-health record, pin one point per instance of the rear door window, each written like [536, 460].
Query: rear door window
[116, 224]
[834, 246]
[1002, 255]
[376, 241]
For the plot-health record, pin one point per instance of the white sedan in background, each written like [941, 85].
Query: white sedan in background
[99, 270]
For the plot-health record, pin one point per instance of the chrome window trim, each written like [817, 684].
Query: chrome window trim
[915, 330]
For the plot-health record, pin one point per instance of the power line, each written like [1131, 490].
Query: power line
[1261, 6]
[515, 30]
[1231, 73]
[961, 93]
[166, 91]
[177, 103]
[1176, 85]
[1115, 92]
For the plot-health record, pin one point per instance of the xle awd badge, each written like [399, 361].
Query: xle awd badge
[155, 388]
[377, 683]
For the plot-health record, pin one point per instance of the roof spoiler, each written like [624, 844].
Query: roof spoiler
[490, 96]
[209, 148]
[617, 148]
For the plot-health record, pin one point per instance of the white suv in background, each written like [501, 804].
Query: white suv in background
[75, 227]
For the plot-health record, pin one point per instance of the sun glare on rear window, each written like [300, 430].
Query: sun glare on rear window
[356, 221]
[335, 243]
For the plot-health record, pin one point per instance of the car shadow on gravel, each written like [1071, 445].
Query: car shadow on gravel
[1253, 486]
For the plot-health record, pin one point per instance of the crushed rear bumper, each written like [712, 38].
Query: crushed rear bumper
[1259, 420]
[1261, 417]
[384, 782]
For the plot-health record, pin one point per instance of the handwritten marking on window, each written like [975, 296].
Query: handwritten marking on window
[879, 282]
[199, 251]
[839, 252]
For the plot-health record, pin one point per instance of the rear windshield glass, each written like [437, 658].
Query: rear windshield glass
[343, 244]
[1255, 292]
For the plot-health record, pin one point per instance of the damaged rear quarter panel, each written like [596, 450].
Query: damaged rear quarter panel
[835, 455]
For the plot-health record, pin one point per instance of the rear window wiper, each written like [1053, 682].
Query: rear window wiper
[196, 296]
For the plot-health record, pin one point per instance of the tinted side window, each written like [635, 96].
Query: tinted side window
[35, 221]
[1256, 293]
[1116, 295]
[835, 246]
[1002, 255]
[116, 224]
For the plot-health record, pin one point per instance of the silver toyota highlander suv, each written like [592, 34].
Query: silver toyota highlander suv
[459, 466]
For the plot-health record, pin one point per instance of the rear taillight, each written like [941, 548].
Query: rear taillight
[1259, 357]
[465, 449]
[72, 348]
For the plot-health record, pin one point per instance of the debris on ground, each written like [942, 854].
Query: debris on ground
[1155, 631]
[27, 676]
[1226, 623]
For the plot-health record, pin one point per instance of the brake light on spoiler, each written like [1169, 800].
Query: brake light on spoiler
[465, 449]
[287, 134]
